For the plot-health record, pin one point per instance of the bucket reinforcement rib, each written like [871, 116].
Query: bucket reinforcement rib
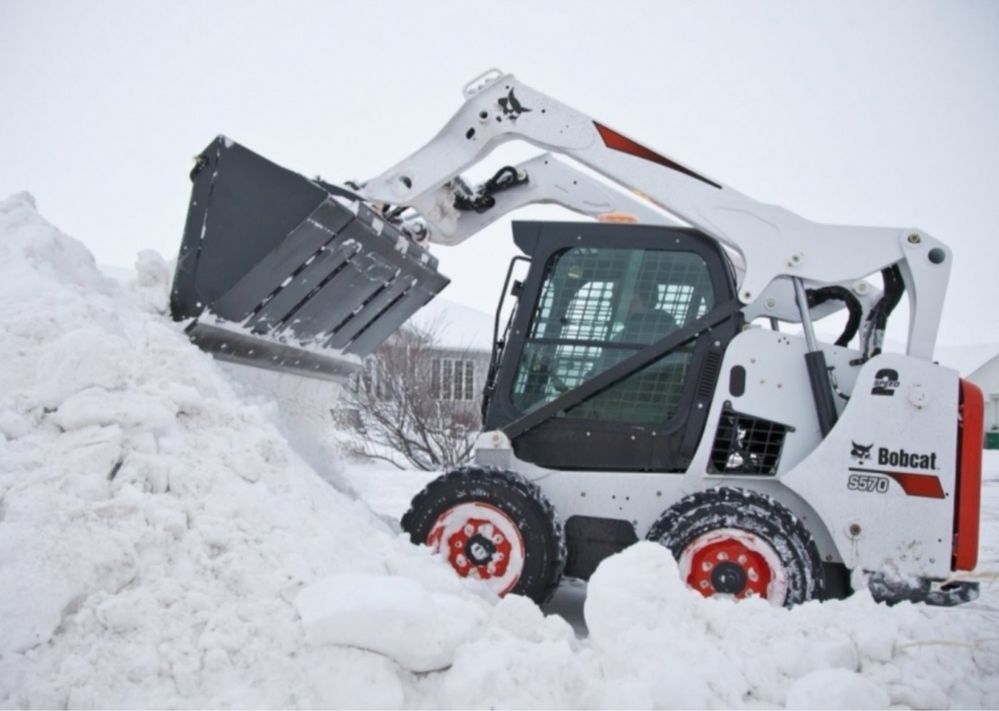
[310, 280]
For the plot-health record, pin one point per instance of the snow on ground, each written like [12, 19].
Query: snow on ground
[386, 488]
[170, 537]
[388, 491]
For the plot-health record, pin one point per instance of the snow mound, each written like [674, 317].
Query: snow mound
[156, 527]
[664, 645]
[166, 541]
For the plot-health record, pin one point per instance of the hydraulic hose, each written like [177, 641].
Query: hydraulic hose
[877, 320]
[840, 293]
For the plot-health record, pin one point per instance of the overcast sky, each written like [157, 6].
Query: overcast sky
[857, 113]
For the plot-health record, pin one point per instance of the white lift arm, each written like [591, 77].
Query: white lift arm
[774, 242]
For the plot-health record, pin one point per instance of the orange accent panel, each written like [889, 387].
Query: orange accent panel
[968, 502]
[615, 141]
[919, 484]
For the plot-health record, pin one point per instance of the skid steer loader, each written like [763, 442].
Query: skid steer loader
[642, 387]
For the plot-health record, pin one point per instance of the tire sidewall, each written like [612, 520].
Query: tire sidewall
[755, 514]
[535, 526]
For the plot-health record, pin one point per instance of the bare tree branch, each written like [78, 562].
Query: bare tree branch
[399, 416]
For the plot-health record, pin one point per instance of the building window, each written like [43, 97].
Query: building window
[452, 379]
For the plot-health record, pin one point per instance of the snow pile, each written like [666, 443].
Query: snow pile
[163, 544]
[666, 646]
[156, 529]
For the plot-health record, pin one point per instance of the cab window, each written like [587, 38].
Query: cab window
[598, 306]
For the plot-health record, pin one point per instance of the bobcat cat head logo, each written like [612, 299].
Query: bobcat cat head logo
[512, 108]
[861, 452]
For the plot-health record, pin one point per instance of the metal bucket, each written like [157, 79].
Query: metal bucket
[286, 273]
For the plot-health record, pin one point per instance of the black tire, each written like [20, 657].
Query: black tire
[534, 517]
[757, 514]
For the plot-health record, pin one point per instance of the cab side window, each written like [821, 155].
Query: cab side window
[597, 307]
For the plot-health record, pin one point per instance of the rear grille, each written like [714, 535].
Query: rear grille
[745, 444]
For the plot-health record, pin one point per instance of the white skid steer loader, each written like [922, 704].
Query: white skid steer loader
[642, 387]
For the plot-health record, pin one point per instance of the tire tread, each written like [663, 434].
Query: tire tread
[513, 482]
[730, 507]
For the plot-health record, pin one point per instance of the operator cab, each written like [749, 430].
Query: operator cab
[658, 302]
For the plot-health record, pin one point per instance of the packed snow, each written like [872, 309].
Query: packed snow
[173, 534]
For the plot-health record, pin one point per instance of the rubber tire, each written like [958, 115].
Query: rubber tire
[758, 514]
[522, 501]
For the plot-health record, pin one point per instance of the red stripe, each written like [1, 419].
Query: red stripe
[967, 503]
[614, 140]
[919, 484]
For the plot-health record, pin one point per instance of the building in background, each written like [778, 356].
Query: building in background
[463, 343]
[459, 358]
[979, 364]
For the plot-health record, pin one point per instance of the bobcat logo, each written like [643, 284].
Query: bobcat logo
[512, 108]
[861, 452]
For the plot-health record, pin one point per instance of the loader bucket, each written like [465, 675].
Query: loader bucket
[287, 273]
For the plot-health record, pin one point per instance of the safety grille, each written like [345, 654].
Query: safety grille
[650, 396]
[747, 445]
[597, 307]
[662, 289]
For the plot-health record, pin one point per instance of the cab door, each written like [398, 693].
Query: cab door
[597, 294]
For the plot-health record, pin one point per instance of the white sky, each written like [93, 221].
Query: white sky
[858, 113]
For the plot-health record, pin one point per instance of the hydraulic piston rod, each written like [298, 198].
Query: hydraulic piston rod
[815, 361]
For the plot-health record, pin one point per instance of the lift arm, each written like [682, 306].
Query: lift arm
[776, 245]
[544, 180]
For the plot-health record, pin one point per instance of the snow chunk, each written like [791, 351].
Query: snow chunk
[96, 406]
[152, 281]
[641, 585]
[79, 359]
[390, 615]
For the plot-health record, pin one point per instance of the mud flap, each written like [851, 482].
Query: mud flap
[286, 273]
